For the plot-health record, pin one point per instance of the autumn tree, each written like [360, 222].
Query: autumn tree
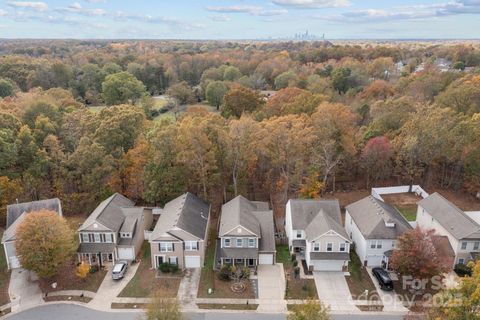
[310, 310]
[215, 92]
[240, 100]
[7, 88]
[122, 87]
[231, 73]
[292, 101]
[182, 93]
[286, 79]
[10, 190]
[376, 157]
[417, 256]
[82, 270]
[52, 239]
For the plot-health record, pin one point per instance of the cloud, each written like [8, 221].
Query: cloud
[219, 17]
[95, 1]
[312, 4]
[251, 10]
[169, 21]
[78, 9]
[37, 6]
[3, 13]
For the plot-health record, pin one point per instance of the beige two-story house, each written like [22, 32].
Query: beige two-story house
[113, 231]
[180, 235]
[315, 233]
[246, 234]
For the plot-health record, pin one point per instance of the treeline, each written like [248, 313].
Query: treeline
[349, 122]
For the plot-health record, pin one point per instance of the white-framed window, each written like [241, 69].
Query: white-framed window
[97, 237]
[108, 237]
[461, 261]
[173, 260]
[316, 247]
[379, 244]
[166, 247]
[191, 246]
[464, 245]
[343, 247]
[85, 237]
[226, 242]
[373, 244]
[476, 245]
[329, 247]
[251, 242]
[227, 261]
[239, 242]
[299, 234]
[376, 244]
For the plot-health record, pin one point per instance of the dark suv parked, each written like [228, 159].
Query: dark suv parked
[383, 278]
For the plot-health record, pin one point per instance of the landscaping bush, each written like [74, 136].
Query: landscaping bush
[294, 257]
[295, 263]
[462, 270]
[224, 273]
[245, 273]
[93, 269]
[168, 267]
[296, 270]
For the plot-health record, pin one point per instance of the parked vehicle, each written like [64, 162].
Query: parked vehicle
[383, 278]
[119, 270]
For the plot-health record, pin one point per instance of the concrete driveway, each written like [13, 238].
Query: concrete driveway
[23, 290]
[333, 290]
[391, 302]
[271, 288]
[187, 291]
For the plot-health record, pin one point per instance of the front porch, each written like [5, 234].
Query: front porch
[243, 262]
[97, 254]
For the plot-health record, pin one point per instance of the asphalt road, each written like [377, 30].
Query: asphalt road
[75, 312]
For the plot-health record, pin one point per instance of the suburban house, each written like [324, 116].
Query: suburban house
[246, 234]
[315, 232]
[113, 231]
[180, 235]
[374, 227]
[15, 215]
[436, 212]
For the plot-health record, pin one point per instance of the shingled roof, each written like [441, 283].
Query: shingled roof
[453, 219]
[14, 211]
[239, 212]
[372, 217]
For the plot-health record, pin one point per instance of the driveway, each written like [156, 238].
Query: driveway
[23, 290]
[271, 288]
[390, 300]
[110, 289]
[187, 291]
[333, 290]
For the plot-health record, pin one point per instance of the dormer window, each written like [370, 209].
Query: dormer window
[299, 234]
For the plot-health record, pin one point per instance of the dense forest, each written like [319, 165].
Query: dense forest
[151, 119]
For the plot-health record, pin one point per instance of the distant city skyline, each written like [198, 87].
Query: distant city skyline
[240, 19]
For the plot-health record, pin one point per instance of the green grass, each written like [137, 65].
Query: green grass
[4, 277]
[359, 280]
[410, 213]
[283, 256]
[207, 278]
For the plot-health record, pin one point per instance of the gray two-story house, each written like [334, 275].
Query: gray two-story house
[113, 231]
[246, 234]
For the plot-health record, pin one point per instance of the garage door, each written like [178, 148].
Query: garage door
[192, 261]
[327, 265]
[265, 258]
[126, 254]
[14, 262]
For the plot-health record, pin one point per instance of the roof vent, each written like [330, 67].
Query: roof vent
[95, 225]
[239, 230]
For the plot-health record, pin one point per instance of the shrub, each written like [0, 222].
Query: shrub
[245, 273]
[462, 270]
[224, 273]
[295, 263]
[294, 257]
[296, 270]
[168, 267]
[93, 269]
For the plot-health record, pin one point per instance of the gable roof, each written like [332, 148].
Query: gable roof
[108, 214]
[454, 220]
[186, 212]
[316, 217]
[14, 211]
[371, 216]
[240, 212]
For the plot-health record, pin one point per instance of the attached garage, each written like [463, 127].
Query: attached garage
[126, 253]
[265, 258]
[327, 265]
[192, 262]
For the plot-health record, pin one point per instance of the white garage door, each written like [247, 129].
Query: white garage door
[14, 262]
[192, 261]
[265, 258]
[126, 254]
[327, 265]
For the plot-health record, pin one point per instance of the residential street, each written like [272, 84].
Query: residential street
[75, 312]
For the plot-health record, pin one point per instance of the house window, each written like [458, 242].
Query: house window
[97, 237]
[393, 244]
[343, 247]
[226, 242]
[329, 247]
[251, 242]
[109, 238]
[299, 234]
[85, 237]
[316, 247]
[173, 260]
[461, 261]
[464, 245]
[379, 244]
[239, 242]
[166, 247]
[476, 246]
[227, 261]
[376, 244]
[373, 244]
[191, 246]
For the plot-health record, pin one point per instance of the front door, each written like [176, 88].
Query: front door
[159, 260]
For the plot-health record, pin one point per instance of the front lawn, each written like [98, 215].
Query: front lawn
[66, 279]
[359, 280]
[4, 278]
[144, 283]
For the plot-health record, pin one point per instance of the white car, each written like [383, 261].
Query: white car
[119, 270]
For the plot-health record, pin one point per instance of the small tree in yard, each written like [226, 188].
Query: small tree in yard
[163, 309]
[417, 257]
[311, 310]
[44, 242]
[83, 269]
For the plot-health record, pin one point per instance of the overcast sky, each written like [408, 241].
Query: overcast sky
[240, 19]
